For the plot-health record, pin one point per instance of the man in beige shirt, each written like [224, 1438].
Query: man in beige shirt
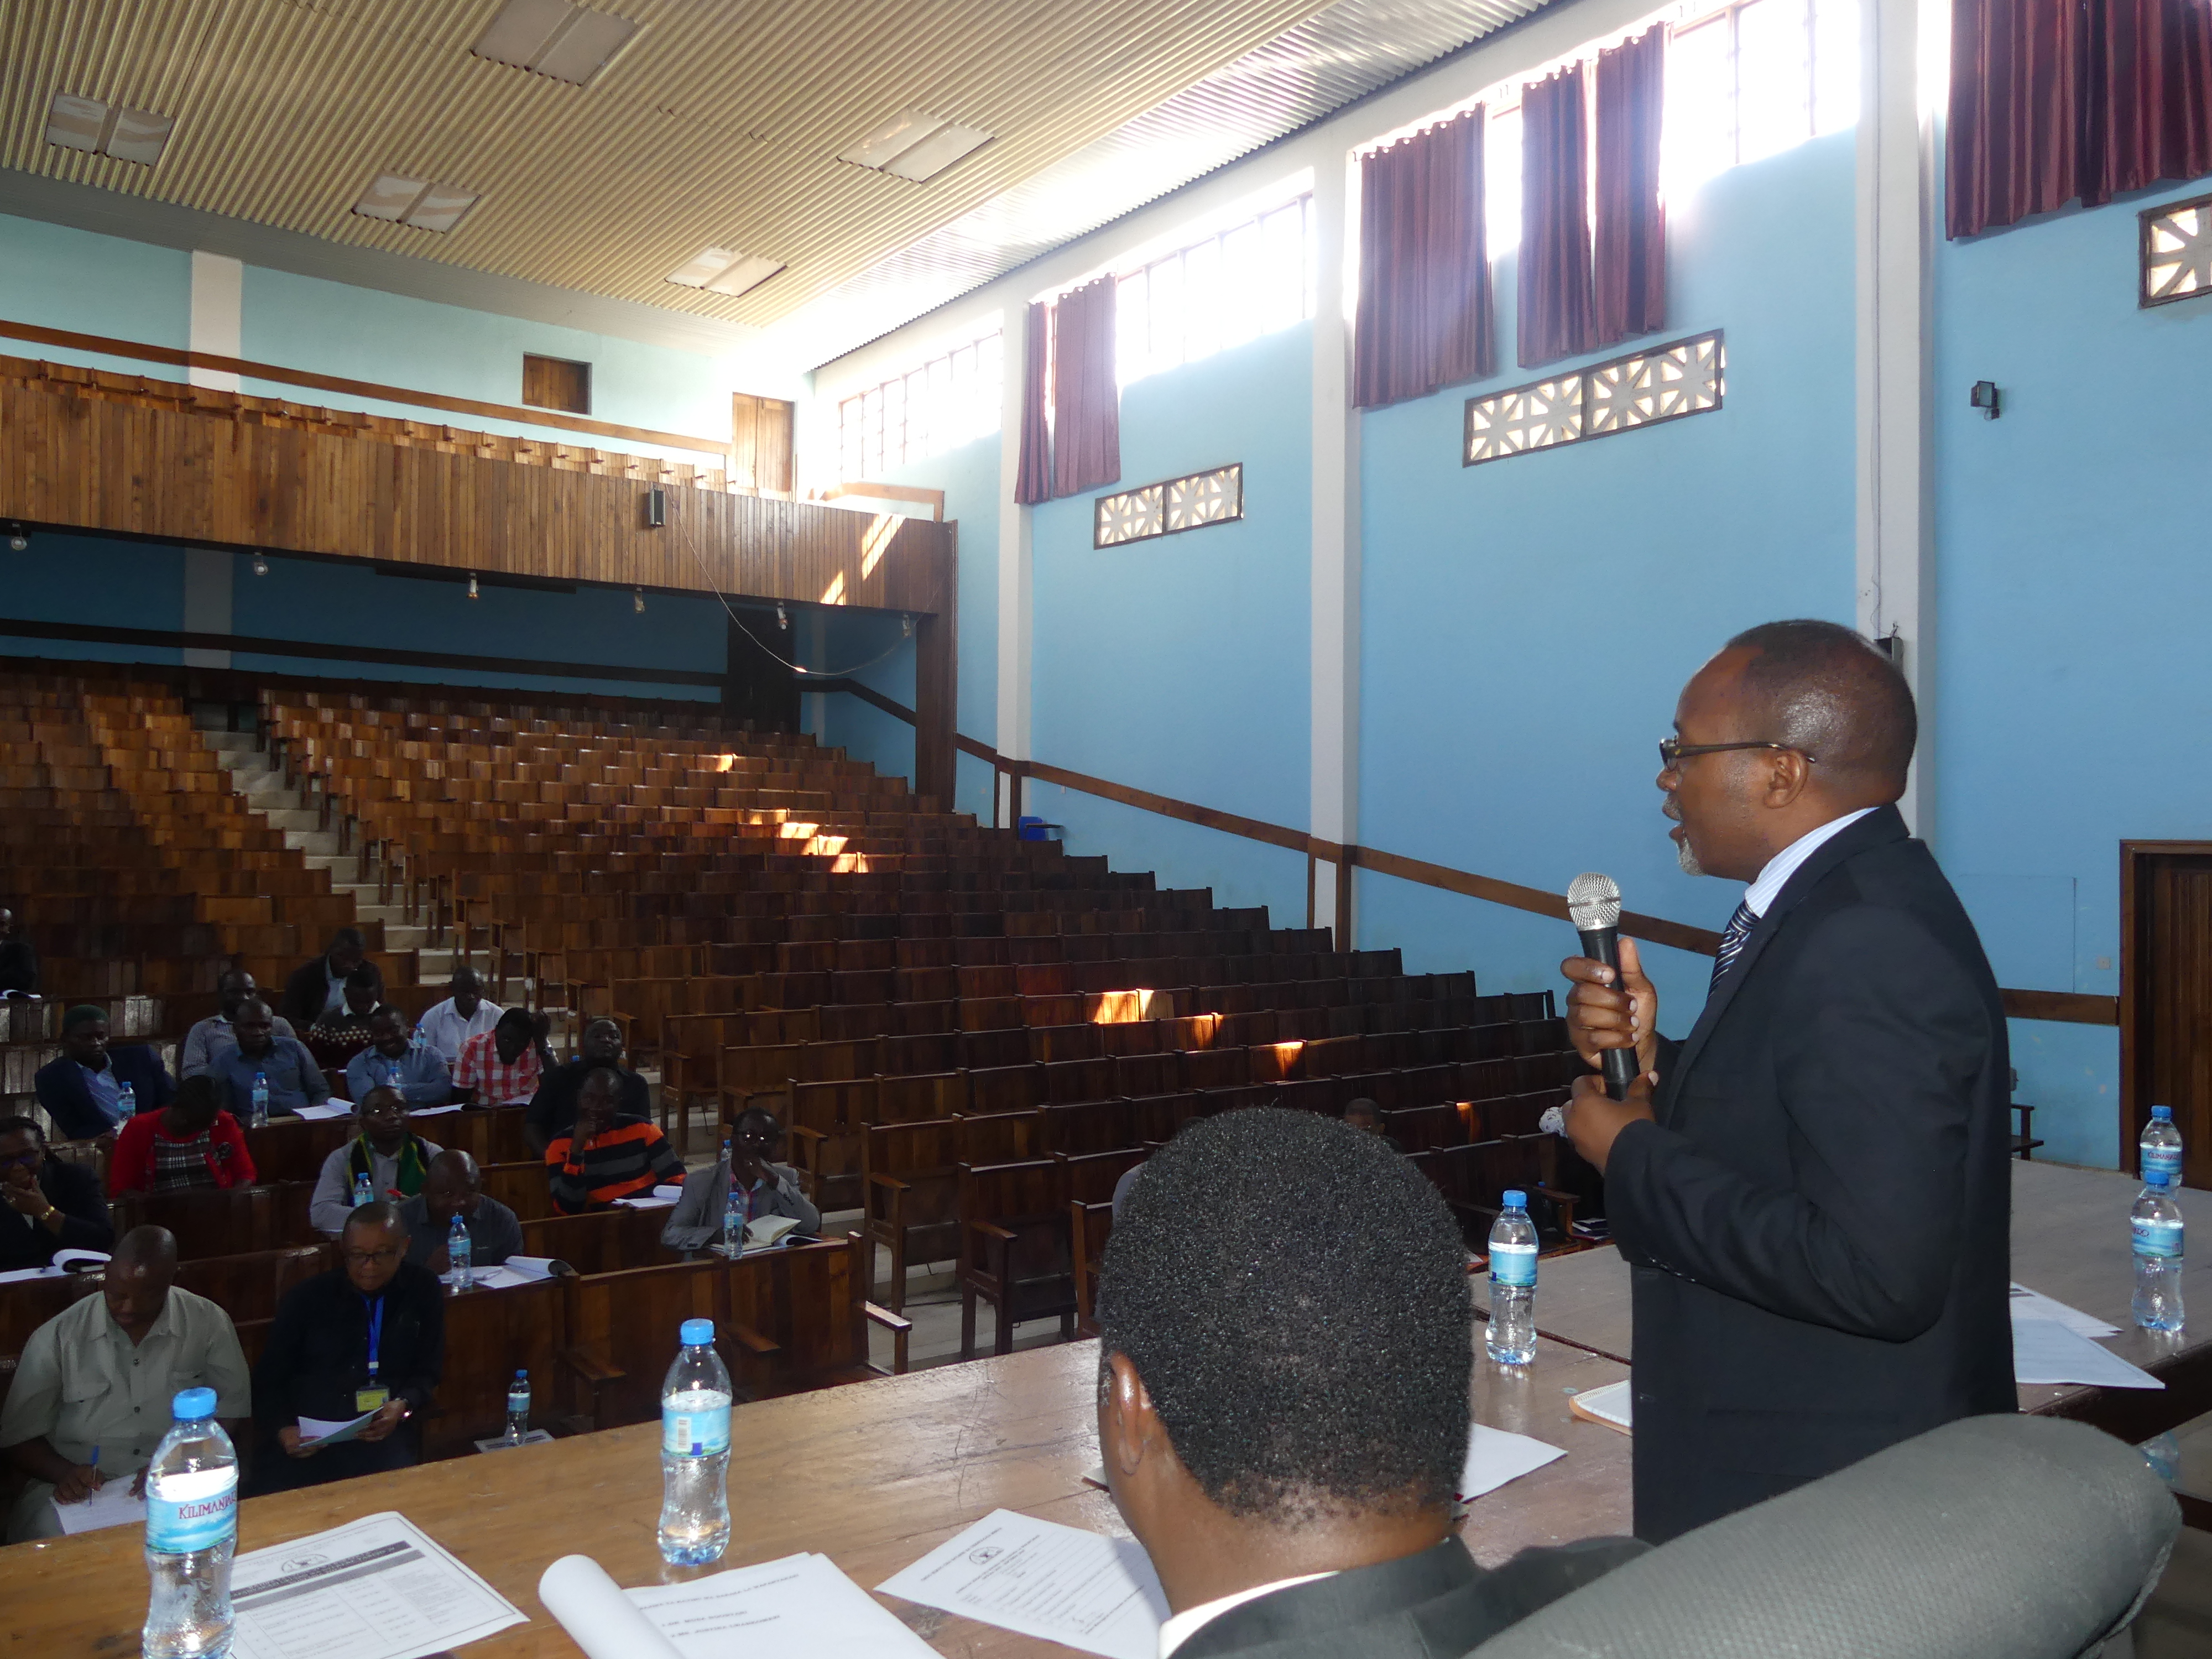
[102, 1375]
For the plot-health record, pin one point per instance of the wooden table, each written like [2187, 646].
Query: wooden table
[2069, 1241]
[873, 1475]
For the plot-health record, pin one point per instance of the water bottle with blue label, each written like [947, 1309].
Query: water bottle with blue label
[695, 1451]
[256, 1111]
[191, 1533]
[363, 1192]
[737, 1208]
[1511, 1336]
[461, 1256]
[2155, 1234]
[126, 1102]
[518, 1409]
[2161, 1146]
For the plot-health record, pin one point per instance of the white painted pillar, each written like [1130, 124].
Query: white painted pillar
[1016, 610]
[1335, 806]
[217, 327]
[1896, 235]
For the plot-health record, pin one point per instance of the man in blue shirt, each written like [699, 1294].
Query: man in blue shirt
[295, 1081]
[389, 1062]
[81, 1090]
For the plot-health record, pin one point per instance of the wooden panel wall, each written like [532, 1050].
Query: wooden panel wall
[761, 445]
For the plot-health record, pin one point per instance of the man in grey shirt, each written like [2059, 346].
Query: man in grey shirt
[204, 1043]
[454, 1187]
[395, 1160]
[696, 1221]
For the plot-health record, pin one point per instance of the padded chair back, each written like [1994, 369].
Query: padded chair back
[1990, 1538]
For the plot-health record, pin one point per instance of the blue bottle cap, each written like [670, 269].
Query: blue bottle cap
[697, 1332]
[521, 1376]
[2162, 1114]
[194, 1404]
[1516, 1199]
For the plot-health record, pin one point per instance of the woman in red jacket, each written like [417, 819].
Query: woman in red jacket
[191, 1142]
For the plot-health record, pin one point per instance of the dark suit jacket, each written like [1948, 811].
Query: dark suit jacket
[1818, 1220]
[62, 1090]
[19, 965]
[73, 1190]
[1435, 1605]
[309, 990]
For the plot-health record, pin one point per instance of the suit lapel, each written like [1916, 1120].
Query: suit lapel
[1879, 827]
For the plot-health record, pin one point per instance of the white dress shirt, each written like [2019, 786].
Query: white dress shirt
[1182, 1626]
[444, 1029]
[1786, 863]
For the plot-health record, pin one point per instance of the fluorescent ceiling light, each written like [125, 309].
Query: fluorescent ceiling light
[137, 136]
[553, 38]
[724, 270]
[915, 145]
[400, 200]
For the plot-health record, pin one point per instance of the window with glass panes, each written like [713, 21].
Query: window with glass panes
[947, 402]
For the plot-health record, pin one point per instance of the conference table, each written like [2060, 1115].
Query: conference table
[873, 1475]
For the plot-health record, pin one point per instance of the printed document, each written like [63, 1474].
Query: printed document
[1039, 1578]
[378, 1588]
[1494, 1457]
[111, 1505]
[323, 1431]
[2034, 1304]
[800, 1608]
[2045, 1350]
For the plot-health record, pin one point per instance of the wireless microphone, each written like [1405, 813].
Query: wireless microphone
[1594, 906]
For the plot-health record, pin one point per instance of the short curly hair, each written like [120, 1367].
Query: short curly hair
[1294, 1295]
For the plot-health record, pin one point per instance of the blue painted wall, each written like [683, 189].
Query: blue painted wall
[55, 277]
[93, 580]
[2075, 703]
[1527, 624]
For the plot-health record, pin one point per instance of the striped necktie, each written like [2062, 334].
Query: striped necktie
[1732, 941]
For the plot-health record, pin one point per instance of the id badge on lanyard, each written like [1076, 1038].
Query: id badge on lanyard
[376, 1396]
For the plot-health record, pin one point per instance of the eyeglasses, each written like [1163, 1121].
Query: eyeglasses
[366, 1258]
[1673, 751]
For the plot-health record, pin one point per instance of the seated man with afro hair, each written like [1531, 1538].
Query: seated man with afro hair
[1284, 1400]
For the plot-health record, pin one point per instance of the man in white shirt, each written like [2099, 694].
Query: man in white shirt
[462, 1015]
[1284, 1399]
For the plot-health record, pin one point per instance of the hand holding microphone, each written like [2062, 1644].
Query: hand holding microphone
[1612, 1011]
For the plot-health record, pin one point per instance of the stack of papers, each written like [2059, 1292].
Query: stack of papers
[324, 1431]
[515, 1270]
[329, 1108]
[800, 1608]
[2053, 1343]
[378, 1588]
[1039, 1578]
[1610, 1405]
[659, 1198]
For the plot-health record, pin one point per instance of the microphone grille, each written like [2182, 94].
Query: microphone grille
[1593, 901]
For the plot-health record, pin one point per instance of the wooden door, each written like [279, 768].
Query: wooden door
[2166, 996]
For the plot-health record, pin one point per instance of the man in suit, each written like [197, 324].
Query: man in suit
[318, 988]
[1812, 1187]
[82, 1089]
[1283, 1401]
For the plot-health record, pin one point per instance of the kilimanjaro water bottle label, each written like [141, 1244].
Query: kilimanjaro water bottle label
[1513, 1265]
[704, 1434]
[2162, 1160]
[192, 1511]
[2158, 1239]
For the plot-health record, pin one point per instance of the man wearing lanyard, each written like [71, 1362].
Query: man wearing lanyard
[365, 1340]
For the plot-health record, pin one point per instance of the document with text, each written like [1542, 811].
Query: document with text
[1040, 1578]
[378, 1588]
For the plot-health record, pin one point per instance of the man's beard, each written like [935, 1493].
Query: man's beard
[1687, 859]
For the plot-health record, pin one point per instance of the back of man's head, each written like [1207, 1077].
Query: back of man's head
[1828, 692]
[1294, 1297]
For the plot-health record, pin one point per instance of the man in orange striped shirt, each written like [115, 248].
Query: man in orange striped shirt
[611, 1154]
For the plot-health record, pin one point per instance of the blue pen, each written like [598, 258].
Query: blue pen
[93, 1460]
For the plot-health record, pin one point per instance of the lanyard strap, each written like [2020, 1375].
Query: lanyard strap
[375, 1333]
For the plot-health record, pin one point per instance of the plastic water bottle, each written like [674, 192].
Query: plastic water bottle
[192, 1532]
[695, 1451]
[126, 1103]
[363, 1193]
[518, 1409]
[461, 1256]
[2161, 1146]
[737, 1208]
[257, 1113]
[2154, 1226]
[1511, 1336]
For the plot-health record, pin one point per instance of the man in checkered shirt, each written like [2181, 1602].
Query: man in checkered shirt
[503, 1064]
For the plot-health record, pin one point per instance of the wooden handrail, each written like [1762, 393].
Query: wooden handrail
[932, 499]
[133, 350]
[2069, 1007]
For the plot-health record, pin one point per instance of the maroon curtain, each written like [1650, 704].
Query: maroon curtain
[1033, 476]
[1086, 394]
[1629, 276]
[1424, 312]
[2056, 101]
[1556, 312]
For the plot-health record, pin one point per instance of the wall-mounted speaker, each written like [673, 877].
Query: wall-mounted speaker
[656, 507]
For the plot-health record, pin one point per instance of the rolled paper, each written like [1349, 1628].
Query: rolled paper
[591, 1607]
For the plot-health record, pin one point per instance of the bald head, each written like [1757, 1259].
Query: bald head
[1821, 689]
[451, 1187]
[135, 1285]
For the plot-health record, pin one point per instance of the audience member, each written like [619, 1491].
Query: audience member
[462, 1015]
[97, 1379]
[51, 1204]
[204, 1043]
[553, 1108]
[392, 1156]
[343, 1032]
[391, 1060]
[696, 1221]
[607, 1153]
[318, 988]
[505, 1065]
[367, 1336]
[283, 1063]
[1366, 1116]
[1284, 1399]
[81, 1089]
[454, 1187]
[19, 961]
[191, 1142]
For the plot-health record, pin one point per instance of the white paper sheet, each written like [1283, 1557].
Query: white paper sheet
[800, 1608]
[15, 1275]
[501, 1442]
[1494, 1457]
[1610, 1404]
[326, 1431]
[652, 1201]
[2034, 1304]
[528, 1267]
[498, 1277]
[2045, 1350]
[1039, 1578]
[378, 1588]
[328, 1110]
[430, 1111]
[602, 1621]
[111, 1506]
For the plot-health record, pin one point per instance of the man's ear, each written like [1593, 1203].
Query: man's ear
[1128, 1427]
[1789, 775]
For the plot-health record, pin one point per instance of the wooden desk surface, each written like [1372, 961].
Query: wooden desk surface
[2069, 1241]
[873, 1476]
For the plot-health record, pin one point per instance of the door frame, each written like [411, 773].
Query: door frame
[2134, 856]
